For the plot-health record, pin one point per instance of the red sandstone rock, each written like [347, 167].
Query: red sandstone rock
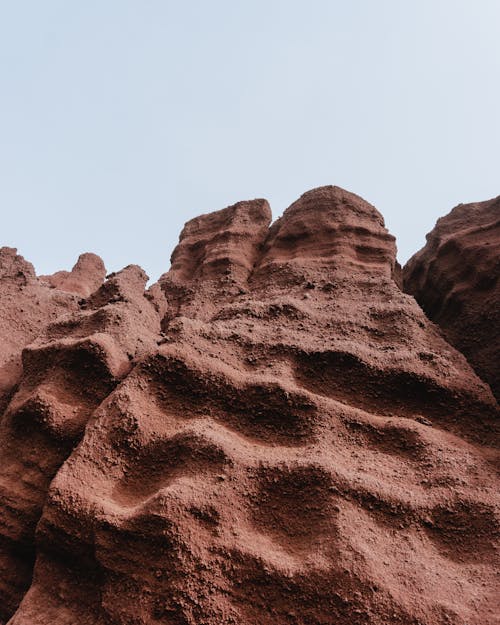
[26, 307]
[298, 444]
[456, 280]
[216, 254]
[86, 276]
[67, 371]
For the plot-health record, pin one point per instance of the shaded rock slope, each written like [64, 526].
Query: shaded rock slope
[456, 280]
[274, 433]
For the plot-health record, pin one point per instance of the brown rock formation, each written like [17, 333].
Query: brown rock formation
[456, 280]
[85, 277]
[216, 251]
[67, 371]
[297, 445]
[27, 305]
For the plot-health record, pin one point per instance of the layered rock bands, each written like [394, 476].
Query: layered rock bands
[273, 433]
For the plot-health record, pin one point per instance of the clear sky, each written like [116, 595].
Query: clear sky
[120, 120]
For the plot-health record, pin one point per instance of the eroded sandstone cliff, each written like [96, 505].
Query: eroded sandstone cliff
[272, 433]
[456, 280]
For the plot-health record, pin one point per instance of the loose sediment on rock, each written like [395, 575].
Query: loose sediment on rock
[274, 433]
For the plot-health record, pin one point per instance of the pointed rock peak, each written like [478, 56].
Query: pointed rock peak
[90, 264]
[86, 276]
[125, 285]
[13, 267]
[330, 225]
[220, 244]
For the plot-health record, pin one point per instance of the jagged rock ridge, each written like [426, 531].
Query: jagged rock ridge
[273, 433]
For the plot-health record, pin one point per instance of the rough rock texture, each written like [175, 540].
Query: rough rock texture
[272, 434]
[67, 371]
[456, 280]
[27, 305]
[86, 276]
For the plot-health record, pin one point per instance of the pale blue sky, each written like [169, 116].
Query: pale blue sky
[120, 120]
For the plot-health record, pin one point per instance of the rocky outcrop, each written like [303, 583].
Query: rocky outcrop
[456, 280]
[215, 257]
[67, 371]
[274, 433]
[86, 276]
[27, 305]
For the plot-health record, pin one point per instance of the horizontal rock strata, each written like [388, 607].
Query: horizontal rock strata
[272, 433]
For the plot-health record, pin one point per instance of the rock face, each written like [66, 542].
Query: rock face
[27, 305]
[85, 277]
[456, 280]
[273, 433]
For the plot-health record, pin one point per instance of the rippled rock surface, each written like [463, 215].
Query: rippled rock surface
[274, 433]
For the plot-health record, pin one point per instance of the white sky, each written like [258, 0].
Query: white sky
[120, 120]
